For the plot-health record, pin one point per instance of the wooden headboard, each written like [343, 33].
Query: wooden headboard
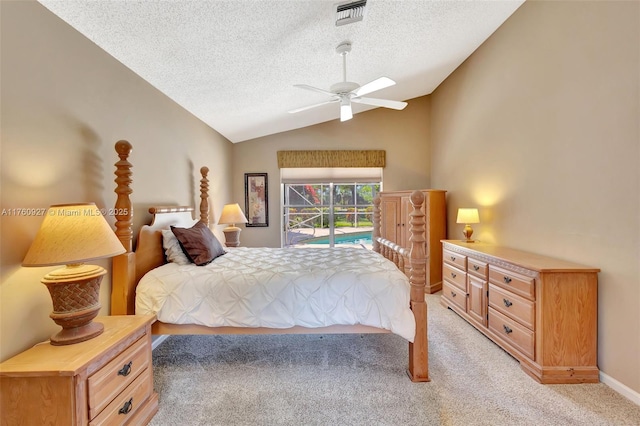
[149, 250]
[128, 268]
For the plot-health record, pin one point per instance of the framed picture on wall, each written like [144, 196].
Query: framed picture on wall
[256, 199]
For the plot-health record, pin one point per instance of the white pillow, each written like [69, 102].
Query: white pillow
[172, 249]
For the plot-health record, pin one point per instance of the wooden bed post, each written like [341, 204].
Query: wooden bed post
[124, 213]
[204, 196]
[376, 223]
[123, 275]
[418, 350]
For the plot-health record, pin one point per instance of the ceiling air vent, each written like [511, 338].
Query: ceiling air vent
[349, 12]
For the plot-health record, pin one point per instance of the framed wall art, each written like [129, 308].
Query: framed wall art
[256, 199]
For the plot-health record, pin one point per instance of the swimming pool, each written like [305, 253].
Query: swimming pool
[350, 238]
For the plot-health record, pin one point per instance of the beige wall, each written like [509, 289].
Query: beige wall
[403, 135]
[64, 104]
[539, 128]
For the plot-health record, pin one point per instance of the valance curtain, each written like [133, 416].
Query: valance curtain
[330, 159]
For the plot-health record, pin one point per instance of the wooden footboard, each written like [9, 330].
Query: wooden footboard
[128, 268]
[393, 252]
[417, 257]
[387, 248]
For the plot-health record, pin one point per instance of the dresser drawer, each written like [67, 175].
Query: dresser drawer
[477, 268]
[515, 307]
[512, 333]
[125, 406]
[454, 295]
[105, 384]
[454, 258]
[516, 283]
[455, 276]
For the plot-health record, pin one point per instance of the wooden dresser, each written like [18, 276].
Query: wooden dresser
[395, 207]
[543, 311]
[107, 380]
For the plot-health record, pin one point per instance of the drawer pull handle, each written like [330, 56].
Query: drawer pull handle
[453, 275]
[507, 302]
[453, 294]
[507, 329]
[506, 279]
[476, 267]
[453, 258]
[125, 370]
[126, 408]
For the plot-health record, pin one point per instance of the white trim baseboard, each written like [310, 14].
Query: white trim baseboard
[157, 340]
[623, 390]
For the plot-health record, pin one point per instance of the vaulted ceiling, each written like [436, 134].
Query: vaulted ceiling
[234, 63]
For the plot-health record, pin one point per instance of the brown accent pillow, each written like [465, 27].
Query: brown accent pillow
[198, 243]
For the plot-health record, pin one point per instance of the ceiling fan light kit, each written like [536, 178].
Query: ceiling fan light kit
[346, 92]
[345, 110]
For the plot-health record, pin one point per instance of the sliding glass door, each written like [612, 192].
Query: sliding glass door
[328, 214]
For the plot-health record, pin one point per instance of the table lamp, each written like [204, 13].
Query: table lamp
[232, 214]
[72, 234]
[468, 216]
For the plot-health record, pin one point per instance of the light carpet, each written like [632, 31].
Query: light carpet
[361, 380]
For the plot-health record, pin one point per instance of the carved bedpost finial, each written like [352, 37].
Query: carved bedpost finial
[204, 196]
[124, 213]
[376, 223]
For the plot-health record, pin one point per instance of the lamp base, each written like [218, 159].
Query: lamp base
[467, 232]
[70, 335]
[232, 236]
[75, 293]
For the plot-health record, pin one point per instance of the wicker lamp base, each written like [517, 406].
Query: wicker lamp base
[75, 292]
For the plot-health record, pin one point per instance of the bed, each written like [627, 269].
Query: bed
[266, 290]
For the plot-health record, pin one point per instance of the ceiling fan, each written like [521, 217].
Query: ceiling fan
[346, 92]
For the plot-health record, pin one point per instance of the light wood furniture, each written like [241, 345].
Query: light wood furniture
[541, 310]
[105, 380]
[129, 268]
[392, 237]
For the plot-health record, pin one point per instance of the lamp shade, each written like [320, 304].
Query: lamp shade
[232, 214]
[468, 216]
[72, 234]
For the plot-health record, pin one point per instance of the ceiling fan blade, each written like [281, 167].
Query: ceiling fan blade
[293, 111]
[380, 102]
[372, 86]
[314, 89]
[345, 110]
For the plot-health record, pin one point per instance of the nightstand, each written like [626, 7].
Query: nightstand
[105, 380]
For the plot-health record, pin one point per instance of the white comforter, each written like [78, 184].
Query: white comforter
[280, 288]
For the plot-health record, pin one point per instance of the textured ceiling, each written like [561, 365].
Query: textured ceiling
[233, 63]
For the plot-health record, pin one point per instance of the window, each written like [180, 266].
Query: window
[328, 213]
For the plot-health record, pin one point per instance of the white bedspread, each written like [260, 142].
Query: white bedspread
[280, 288]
